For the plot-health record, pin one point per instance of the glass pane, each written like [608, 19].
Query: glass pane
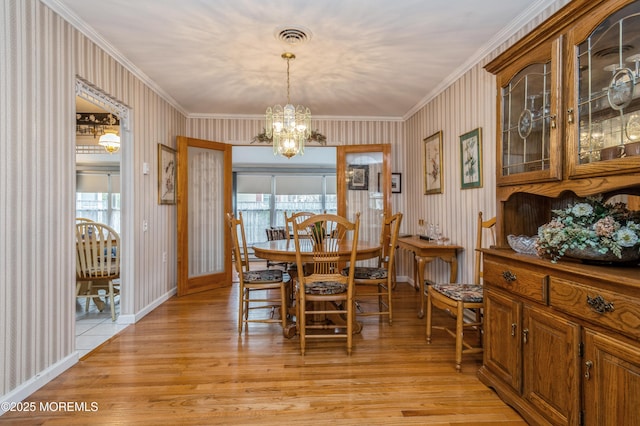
[256, 212]
[608, 96]
[98, 198]
[363, 194]
[293, 192]
[206, 211]
[526, 112]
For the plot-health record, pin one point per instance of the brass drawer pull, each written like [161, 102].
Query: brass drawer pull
[587, 370]
[509, 276]
[599, 305]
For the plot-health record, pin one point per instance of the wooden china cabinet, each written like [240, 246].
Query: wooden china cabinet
[562, 340]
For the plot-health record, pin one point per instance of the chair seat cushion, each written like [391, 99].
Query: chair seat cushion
[471, 293]
[263, 276]
[325, 287]
[367, 273]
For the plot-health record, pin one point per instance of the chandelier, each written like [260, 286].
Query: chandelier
[289, 127]
[110, 140]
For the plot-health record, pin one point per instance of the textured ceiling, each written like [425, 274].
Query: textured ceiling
[373, 58]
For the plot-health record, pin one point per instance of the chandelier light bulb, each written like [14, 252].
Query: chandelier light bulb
[289, 127]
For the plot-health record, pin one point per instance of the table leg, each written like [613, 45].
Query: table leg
[421, 262]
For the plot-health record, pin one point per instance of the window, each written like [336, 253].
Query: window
[263, 199]
[98, 197]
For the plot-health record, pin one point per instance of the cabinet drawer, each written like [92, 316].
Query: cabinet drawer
[612, 310]
[522, 281]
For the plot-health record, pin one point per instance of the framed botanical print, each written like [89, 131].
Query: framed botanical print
[358, 177]
[166, 174]
[433, 183]
[471, 159]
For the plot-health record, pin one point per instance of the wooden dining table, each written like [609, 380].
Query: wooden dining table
[425, 252]
[285, 251]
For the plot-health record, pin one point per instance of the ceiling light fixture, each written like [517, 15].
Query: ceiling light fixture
[110, 140]
[289, 127]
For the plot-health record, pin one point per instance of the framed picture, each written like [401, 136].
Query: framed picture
[166, 175]
[358, 177]
[433, 183]
[471, 159]
[396, 183]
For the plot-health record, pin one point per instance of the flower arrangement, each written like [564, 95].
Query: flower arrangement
[592, 225]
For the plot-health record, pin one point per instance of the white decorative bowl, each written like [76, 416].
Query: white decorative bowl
[523, 244]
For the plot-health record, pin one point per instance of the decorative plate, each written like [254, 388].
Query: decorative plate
[525, 123]
[632, 129]
[620, 92]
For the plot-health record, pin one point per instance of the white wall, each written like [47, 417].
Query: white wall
[40, 56]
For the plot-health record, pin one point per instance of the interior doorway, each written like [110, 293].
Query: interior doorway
[99, 197]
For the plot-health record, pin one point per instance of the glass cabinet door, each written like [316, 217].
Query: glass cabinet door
[529, 148]
[605, 138]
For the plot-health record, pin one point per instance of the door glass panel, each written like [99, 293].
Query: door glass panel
[526, 129]
[608, 94]
[206, 211]
[364, 193]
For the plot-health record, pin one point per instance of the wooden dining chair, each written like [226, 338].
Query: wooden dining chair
[325, 286]
[255, 287]
[97, 263]
[289, 222]
[381, 277]
[294, 218]
[456, 298]
[274, 234]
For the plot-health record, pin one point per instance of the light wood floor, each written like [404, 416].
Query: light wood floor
[185, 364]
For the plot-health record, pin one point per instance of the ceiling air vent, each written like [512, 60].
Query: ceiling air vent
[293, 36]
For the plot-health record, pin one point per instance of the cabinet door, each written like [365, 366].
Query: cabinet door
[603, 101]
[611, 371]
[502, 338]
[529, 141]
[551, 377]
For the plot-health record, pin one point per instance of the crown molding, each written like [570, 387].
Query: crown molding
[313, 117]
[494, 43]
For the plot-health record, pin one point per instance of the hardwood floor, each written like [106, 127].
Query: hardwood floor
[185, 364]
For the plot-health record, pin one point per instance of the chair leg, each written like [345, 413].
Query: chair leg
[283, 304]
[86, 299]
[112, 296]
[389, 298]
[302, 327]
[350, 314]
[429, 310]
[240, 308]
[459, 335]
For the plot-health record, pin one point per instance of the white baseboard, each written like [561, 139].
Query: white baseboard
[133, 318]
[38, 381]
[405, 279]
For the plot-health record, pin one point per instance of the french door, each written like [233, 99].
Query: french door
[204, 185]
[364, 186]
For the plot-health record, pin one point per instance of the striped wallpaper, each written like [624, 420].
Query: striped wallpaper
[41, 57]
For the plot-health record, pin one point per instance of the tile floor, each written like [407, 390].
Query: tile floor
[94, 327]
